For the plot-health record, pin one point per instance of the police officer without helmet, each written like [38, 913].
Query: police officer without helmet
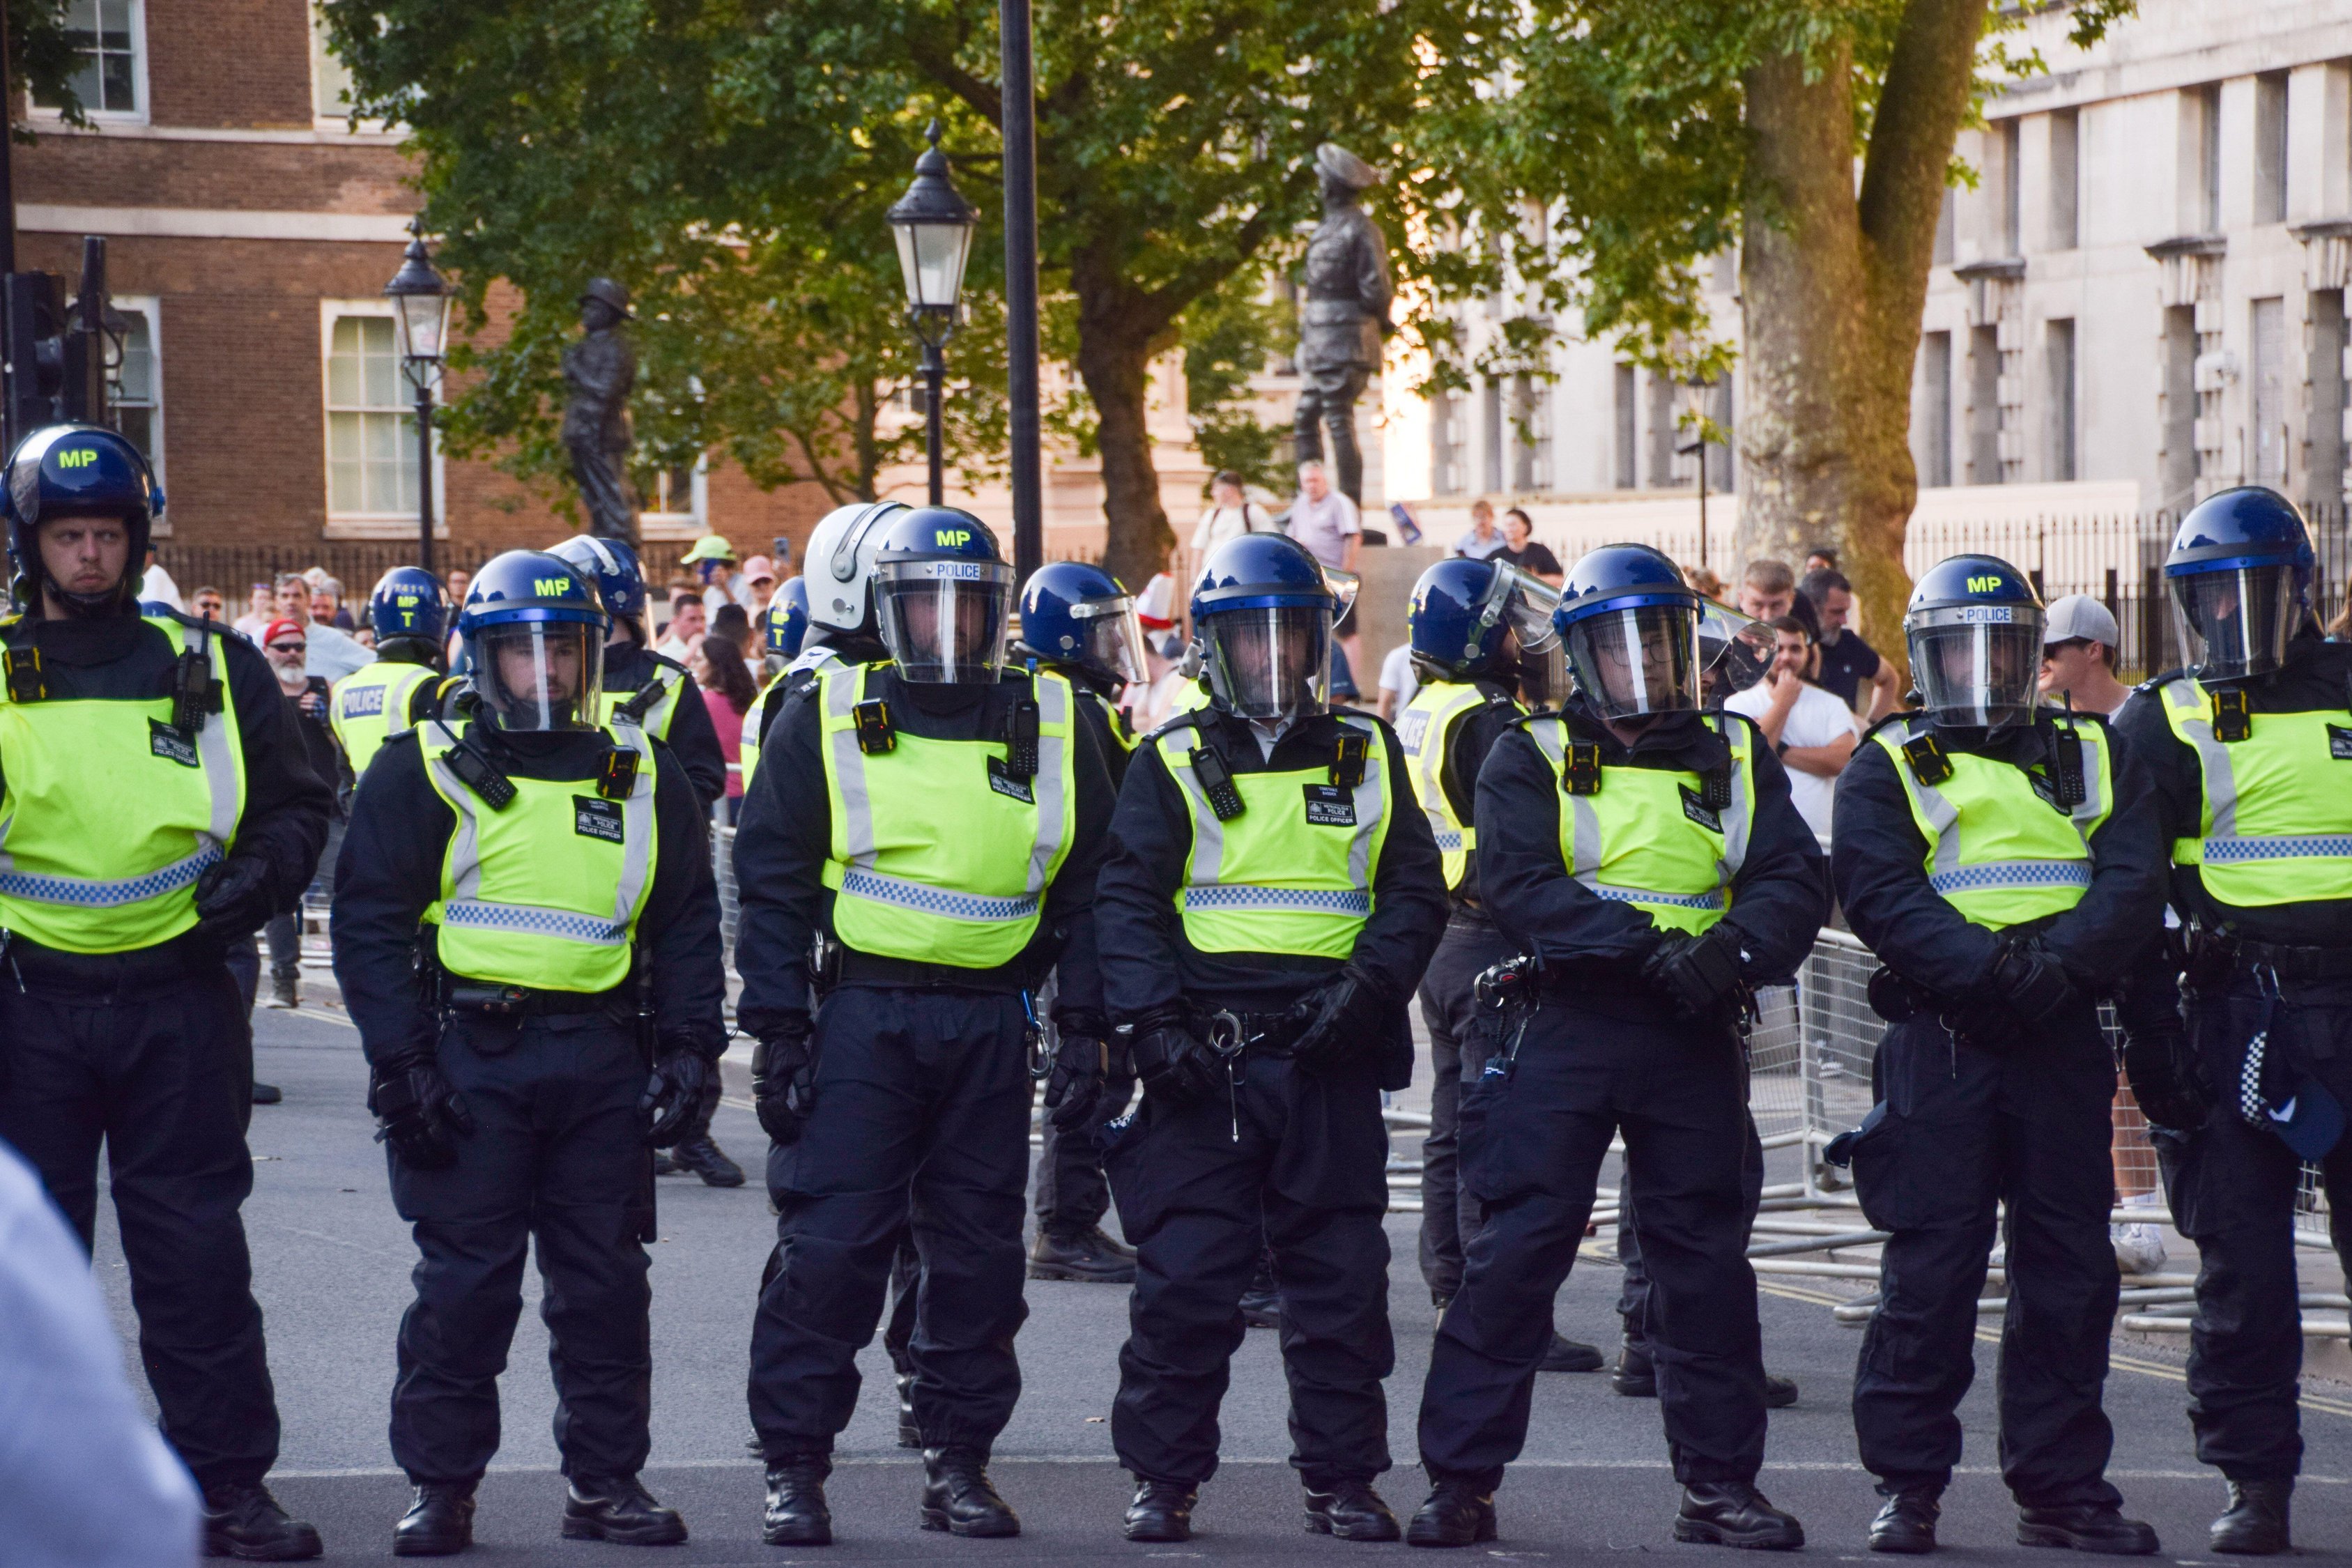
[1482, 643]
[2250, 751]
[2002, 862]
[156, 809]
[937, 821]
[637, 681]
[1648, 860]
[1080, 622]
[1271, 897]
[524, 929]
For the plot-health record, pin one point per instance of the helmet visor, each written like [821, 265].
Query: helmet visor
[540, 675]
[1643, 659]
[943, 621]
[1523, 604]
[1114, 637]
[1735, 651]
[2236, 622]
[1979, 671]
[1270, 663]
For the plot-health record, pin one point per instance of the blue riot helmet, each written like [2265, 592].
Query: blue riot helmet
[942, 594]
[407, 603]
[1631, 625]
[1974, 630]
[2240, 573]
[1735, 651]
[613, 566]
[1074, 612]
[785, 624]
[1263, 612]
[1486, 620]
[79, 470]
[534, 639]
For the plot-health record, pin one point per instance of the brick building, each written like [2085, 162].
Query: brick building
[251, 229]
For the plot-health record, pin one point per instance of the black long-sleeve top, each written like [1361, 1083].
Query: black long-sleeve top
[1475, 734]
[1780, 896]
[1146, 962]
[1879, 861]
[783, 837]
[390, 870]
[286, 803]
[691, 738]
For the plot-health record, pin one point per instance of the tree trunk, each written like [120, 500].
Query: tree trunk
[1115, 362]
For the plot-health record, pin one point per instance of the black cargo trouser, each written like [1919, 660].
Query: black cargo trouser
[1073, 1195]
[1305, 1177]
[1963, 1131]
[161, 1072]
[557, 1157]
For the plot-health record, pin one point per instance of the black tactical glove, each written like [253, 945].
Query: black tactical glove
[1340, 1019]
[1074, 1085]
[233, 898]
[2034, 986]
[1698, 976]
[418, 1114]
[1174, 1063]
[783, 1079]
[673, 1094]
[2167, 1078]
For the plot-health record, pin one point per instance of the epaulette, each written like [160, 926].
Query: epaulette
[1189, 717]
[1900, 716]
[2158, 682]
[660, 659]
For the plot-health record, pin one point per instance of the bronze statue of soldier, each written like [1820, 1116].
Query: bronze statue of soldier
[600, 368]
[1345, 318]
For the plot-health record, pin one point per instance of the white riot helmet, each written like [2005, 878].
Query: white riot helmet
[840, 566]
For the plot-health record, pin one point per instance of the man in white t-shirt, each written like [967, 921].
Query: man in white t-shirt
[1811, 729]
[1231, 513]
[1398, 682]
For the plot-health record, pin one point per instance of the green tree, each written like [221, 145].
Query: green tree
[1657, 132]
[1175, 143]
[1228, 337]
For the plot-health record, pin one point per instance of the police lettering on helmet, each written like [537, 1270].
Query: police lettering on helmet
[942, 594]
[1630, 623]
[2240, 571]
[534, 633]
[1974, 630]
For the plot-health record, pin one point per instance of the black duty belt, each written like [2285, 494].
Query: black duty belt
[872, 969]
[484, 1000]
[2303, 963]
[1254, 1034]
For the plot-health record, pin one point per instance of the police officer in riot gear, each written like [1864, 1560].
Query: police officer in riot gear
[783, 633]
[2250, 754]
[1270, 900]
[1080, 622]
[524, 928]
[390, 696]
[154, 809]
[1646, 858]
[639, 683]
[2002, 862]
[930, 827]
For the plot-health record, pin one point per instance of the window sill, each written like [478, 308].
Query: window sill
[671, 525]
[379, 526]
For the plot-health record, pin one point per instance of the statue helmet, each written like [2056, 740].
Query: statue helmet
[1337, 162]
[613, 296]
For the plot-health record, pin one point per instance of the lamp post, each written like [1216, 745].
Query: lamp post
[420, 300]
[1692, 438]
[933, 224]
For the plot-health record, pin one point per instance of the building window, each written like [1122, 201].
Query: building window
[1494, 421]
[1720, 474]
[2270, 435]
[2066, 176]
[1947, 226]
[330, 80]
[1936, 408]
[1449, 440]
[1628, 473]
[673, 494]
[137, 393]
[2324, 430]
[2011, 240]
[2270, 148]
[1531, 431]
[370, 434]
[1663, 463]
[2208, 158]
[1984, 405]
[2061, 370]
[109, 40]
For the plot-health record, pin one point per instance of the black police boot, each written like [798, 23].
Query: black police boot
[244, 1521]
[1907, 1522]
[1262, 1302]
[703, 1156]
[1352, 1511]
[439, 1521]
[796, 1514]
[1635, 1377]
[1733, 1514]
[1161, 1512]
[620, 1510]
[958, 1497]
[910, 1431]
[1779, 1393]
[2255, 1523]
[285, 991]
[1571, 1355]
[1455, 1514]
[1089, 1257]
[266, 1093]
[2085, 1526]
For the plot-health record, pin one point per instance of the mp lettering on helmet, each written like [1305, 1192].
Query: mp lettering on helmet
[551, 587]
[81, 458]
[1989, 584]
[952, 538]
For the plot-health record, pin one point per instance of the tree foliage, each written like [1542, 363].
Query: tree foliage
[43, 57]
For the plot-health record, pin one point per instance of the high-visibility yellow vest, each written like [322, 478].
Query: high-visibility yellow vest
[545, 893]
[1425, 732]
[1115, 719]
[370, 705]
[1996, 851]
[2277, 822]
[748, 749]
[110, 814]
[655, 716]
[1188, 696]
[939, 853]
[1292, 872]
[1648, 837]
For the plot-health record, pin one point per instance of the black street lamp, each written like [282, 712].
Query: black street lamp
[420, 300]
[933, 224]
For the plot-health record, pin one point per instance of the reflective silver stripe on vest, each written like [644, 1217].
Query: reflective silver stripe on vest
[1585, 829]
[1052, 697]
[213, 745]
[860, 883]
[1292, 900]
[2195, 719]
[1209, 834]
[83, 892]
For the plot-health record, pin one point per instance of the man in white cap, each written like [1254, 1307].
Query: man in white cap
[1344, 320]
[2079, 637]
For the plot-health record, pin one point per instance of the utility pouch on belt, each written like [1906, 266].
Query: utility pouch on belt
[824, 964]
[1216, 783]
[875, 735]
[498, 1001]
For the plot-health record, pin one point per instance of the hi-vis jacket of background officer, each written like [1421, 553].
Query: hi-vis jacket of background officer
[1447, 732]
[115, 797]
[674, 714]
[377, 702]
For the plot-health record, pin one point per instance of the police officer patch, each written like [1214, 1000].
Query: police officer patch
[593, 819]
[1328, 806]
[2339, 744]
[1005, 782]
[166, 742]
[1695, 807]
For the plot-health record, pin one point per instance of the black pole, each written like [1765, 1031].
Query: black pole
[425, 475]
[935, 370]
[7, 156]
[1019, 94]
